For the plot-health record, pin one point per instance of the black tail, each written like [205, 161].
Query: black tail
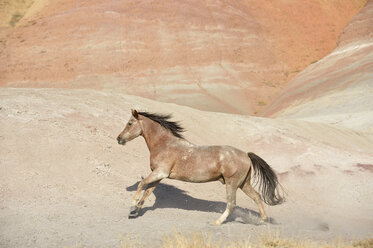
[268, 182]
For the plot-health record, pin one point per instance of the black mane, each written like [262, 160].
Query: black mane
[163, 120]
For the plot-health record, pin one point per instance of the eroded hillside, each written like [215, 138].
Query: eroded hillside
[215, 55]
[338, 89]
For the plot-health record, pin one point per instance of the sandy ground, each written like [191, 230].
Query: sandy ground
[65, 181]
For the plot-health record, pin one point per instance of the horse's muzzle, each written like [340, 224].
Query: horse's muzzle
[121, 141]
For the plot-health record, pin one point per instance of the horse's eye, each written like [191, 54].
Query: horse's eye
[129, 123]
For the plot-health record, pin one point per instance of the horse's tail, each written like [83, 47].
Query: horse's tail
[267, 179]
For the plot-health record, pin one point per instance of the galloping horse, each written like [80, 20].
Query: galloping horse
[172, 156]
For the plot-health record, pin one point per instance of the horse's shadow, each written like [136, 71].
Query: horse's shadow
[168, 196]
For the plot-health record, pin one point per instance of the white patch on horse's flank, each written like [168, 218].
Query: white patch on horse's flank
[221, 157]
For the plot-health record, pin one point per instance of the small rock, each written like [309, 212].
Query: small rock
[103, 169]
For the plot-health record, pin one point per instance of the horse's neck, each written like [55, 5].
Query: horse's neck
[155, 136]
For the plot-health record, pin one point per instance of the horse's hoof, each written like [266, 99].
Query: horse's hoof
[263, 221]
[134, 212]
[216, 223]
[133, 215]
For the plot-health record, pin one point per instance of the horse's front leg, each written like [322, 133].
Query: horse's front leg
[155, 177]
[147, 193]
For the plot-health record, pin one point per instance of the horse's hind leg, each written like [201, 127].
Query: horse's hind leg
[251, 192]
[231, 203]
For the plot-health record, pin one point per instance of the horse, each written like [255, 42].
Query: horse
[173, 157]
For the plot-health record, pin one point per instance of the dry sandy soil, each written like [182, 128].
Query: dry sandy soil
[65, 181]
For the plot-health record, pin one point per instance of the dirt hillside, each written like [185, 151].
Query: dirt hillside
[338, 89]
[213, 55]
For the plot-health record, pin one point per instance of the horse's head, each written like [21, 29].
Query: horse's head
[132, 129]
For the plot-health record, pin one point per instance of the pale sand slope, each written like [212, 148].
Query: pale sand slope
[339, 88]
[65, 181]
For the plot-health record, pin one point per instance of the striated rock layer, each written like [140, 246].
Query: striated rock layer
[213, 55]
[338, 89]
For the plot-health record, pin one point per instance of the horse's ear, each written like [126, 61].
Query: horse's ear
[134, 113]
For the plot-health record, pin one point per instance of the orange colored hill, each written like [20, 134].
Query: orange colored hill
[213, 55]
[337, 89]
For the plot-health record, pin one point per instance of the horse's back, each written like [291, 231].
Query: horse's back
[209, 163]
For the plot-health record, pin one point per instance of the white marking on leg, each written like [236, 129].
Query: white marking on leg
[222, 218]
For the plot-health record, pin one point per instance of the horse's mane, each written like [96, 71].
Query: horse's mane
[163, 120]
